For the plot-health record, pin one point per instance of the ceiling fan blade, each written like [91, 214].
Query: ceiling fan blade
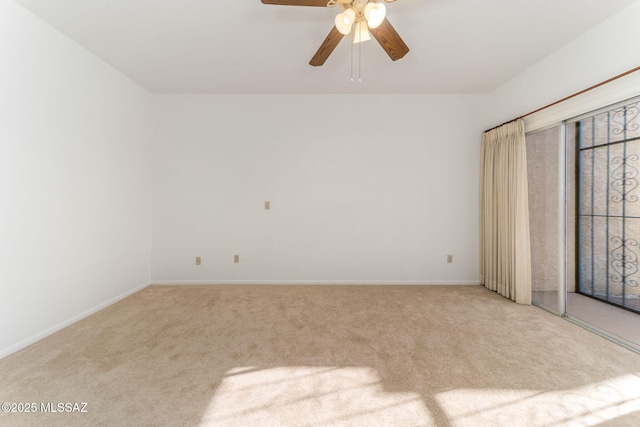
[390, 40]
[327, 46]
[319, 3]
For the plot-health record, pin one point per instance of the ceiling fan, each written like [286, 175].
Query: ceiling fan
[368, 17]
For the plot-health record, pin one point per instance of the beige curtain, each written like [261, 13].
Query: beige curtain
[505, 253]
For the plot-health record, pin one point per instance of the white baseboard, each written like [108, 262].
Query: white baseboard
[316, 282]
[37, 337]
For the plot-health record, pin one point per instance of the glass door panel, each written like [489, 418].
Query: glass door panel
[603, 159]
[543, 168]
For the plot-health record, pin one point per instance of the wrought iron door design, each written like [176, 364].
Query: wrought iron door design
[609, 206]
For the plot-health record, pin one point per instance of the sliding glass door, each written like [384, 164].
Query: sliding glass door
[608, 144]
[584, 216]
[603, 221]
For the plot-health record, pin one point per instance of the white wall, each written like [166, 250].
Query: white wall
[75, 181]
[609, 49]
[371, 189]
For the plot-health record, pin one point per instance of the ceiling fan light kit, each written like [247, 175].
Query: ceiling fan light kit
[369, 17]
[360, 12]
[375, 13]
[361, 34]
[345, 20]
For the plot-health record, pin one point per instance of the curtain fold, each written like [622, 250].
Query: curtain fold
[505, 252]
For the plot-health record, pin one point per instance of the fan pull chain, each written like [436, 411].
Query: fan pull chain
[360, 62]
[351, 62]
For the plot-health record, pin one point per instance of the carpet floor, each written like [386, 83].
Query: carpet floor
[321, 356]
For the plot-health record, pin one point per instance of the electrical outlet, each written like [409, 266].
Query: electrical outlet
[198, 260]
[236, 259]
[449, 259]
[267, 205]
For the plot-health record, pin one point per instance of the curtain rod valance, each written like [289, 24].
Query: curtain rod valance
[569, 97]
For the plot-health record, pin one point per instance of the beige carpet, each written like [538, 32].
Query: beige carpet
[323, 355]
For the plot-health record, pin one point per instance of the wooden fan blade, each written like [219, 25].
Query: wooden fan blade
[326, 47]
[319, 3]
[390, 40]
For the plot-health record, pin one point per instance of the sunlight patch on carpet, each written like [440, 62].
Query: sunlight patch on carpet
[589, 405]
[309, 396]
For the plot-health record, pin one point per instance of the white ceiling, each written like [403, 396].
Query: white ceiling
[244, 46]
